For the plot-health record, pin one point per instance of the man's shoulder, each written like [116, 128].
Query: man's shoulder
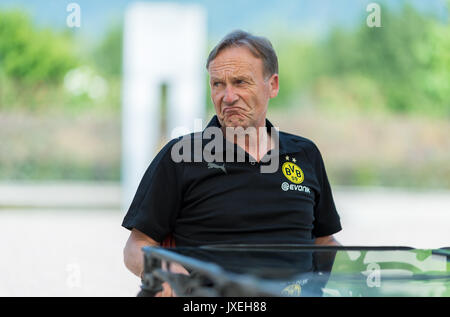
[168, 146]
[186, 137]
[180, 147]
[296, 142]
[165, 153]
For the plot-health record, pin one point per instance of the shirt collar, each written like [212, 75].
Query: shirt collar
[286, 142]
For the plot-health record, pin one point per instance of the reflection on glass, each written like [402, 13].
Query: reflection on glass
[294, 270]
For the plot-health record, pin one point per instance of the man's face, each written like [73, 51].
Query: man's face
[239, 91]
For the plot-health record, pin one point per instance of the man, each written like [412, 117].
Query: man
[200, 202]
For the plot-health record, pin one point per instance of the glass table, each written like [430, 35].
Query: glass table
[296, 270]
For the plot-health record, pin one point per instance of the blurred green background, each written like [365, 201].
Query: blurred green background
[376, 101]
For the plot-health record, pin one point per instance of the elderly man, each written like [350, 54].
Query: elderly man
[200, 202]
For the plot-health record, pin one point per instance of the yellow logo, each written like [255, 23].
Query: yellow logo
[293, 172]
[292, 290]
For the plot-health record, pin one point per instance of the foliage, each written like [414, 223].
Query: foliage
[33, 63]
[108, 54]
[32, 56]
[402, 67]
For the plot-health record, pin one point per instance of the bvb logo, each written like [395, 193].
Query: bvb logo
[293, 172]
[292, 290]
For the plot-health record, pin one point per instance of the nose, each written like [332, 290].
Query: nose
[230, 96]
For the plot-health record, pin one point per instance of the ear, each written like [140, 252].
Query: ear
[274, 86]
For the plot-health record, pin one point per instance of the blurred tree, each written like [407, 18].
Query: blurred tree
[298, 67]
[30, 55]
[108, 55]
[436, 76]
[407, 59]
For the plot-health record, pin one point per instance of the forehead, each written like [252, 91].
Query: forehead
[236, 61]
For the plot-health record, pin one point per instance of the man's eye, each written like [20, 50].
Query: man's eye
[239, 82]
[216, 84]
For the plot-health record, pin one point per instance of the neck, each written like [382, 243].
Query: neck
[256, 141]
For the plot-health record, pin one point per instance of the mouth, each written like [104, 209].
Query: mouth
[229, 111]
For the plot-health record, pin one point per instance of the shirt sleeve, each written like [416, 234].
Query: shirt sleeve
[158, 198]
[326, 217]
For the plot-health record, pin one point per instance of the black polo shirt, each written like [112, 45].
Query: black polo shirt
[201, 203]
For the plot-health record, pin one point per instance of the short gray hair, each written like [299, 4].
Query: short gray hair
[259, 46]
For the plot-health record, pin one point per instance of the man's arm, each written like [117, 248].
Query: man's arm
[133, 256]
[327, 240]
[134, 259]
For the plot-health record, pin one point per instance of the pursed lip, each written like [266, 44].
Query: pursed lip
[232, 109]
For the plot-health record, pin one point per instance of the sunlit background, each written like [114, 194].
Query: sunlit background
[376, 101]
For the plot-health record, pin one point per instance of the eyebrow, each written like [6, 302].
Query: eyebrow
[243, 77]
[240, 77]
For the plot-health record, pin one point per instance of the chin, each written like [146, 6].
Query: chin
[235, 122]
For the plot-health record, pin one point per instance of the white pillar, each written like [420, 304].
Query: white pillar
[163, 43]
